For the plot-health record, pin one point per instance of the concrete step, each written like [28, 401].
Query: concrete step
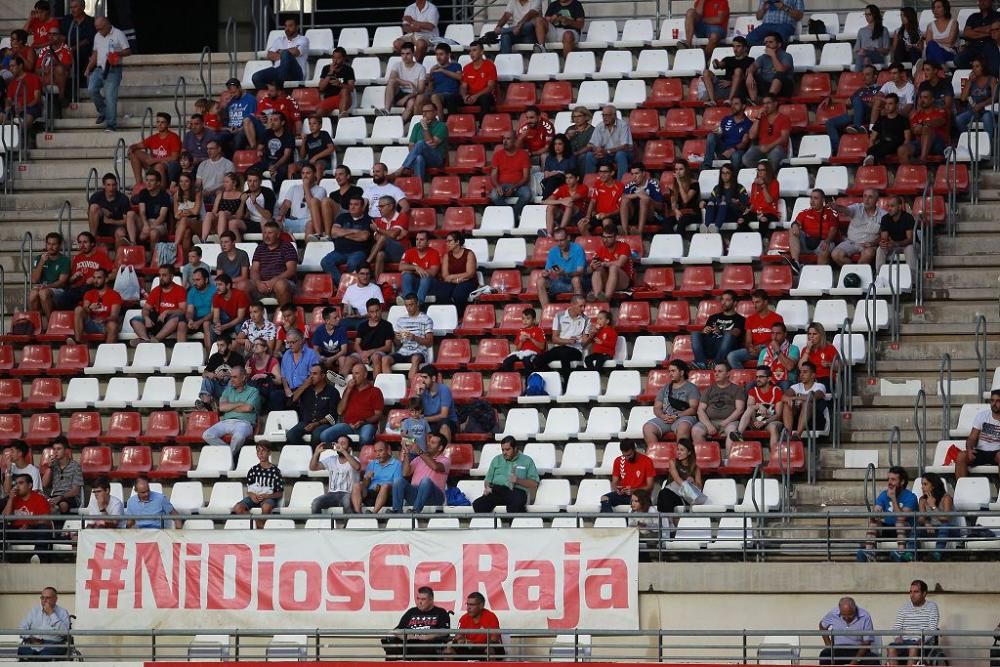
[51, 173]
[960, 316]
[46, 199]
[950, 274]
[93, 137]
[967, 244]
[920, 348]
[129, 107]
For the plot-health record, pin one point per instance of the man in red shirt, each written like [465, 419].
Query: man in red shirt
[479, 80]
[360, 410]
[765, 411]
[758, 330]
[389, 231]
[536, 133]
[768, 136]
[511, 174]
[156, 150]
[275, 101]
[23, 502]
[611, 266]
[568, 203]
[605, 200]
[81, 271]
[420, 265]
[100, 311]
[24, 93]
[162, 312]
[929, 125]
[630, 471]
[55, 60]
[229, 307]
[815, 229]
[708, 18]
[486, 645]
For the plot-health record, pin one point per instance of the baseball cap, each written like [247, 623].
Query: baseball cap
[233, 82]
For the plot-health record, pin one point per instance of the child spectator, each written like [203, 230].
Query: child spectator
[530, 341]
[602, 345]
[316, 149]
[415, 428]
[330, 340]
[209, 110]
[567, 204]
[194, 262]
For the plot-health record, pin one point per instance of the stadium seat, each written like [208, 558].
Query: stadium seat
[972, 494]
[553, 389]
[96, 460]
[814, 87]
[688, 62]
[696, 281]
[35, 360]
[679, 123]
[600, 34]
[505, 387]
[44, 393]
[664, 93]
[742, 458]
[213, 462]
[469, 159]
[522, 423]
[123, 427]
[835, 57]
[691, 533]
[852, 149]
[175, 462]
[874, 176]
[908, 179]
[734, 534]
[84, 428]
[592, 94]
[703, 249]
[42, 428]
[760, 495]
[647, 352]
[664, 248]
[831, 313]
[552, 495]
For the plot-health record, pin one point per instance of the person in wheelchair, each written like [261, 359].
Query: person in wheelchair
[917, 617]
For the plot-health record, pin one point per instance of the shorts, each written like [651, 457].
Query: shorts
[401, 93]
[71, 297]
[253, 226]
[849, 247]
[295, 225]
[764, 85]
[556, 34]
[94, 327]
[155, 329]
[33, 111]
[407, 358]
[702, 29]
[560, 285]
[664, 428]
[73, 502]
[107, 229]
[983, 458]
[937, 146]
[812, 243]
[249, 504]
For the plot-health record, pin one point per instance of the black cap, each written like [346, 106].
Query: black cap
[233, 82]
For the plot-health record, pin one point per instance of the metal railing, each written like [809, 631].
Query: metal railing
[148, 123]
[870, 304]
[944, 388]
[951, 206]
[180, 105]
[230, 42]
[25, 253]
[841, 400]
[895, 447]
[121, 159]
[973, 165]
[3, 301]
[73, 42]
[93, 182]
[923, 236]
[982, 351]
[847, 363]
[66, 216]
[206, 84]
[920, 426]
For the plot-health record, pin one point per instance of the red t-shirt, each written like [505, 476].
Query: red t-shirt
[579, 195]
[35, 504]
[430, 258]
[160, 147]
[932, 114]
[237, 299]
[759, 326]
[769, 397]
[633, 474]
[487, 621]
[31, 84]
[162, 300]
[510, 167]
[607, 196]
[770, 130]
[713, 9]
[823, 359]
[301, 326]
[106, 301]
[282, 104]
[621, 249]
[605, 340]
[477, 79]
[538, 137]
[62, 56]
[28, 55]
[40, 31]
[402, 220]
[86, 265]
[534, 333]
[363, 403]
[817, 224]
[212, 121]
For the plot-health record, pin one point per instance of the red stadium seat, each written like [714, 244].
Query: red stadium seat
[872, 176]
[32, 317]
[633, 316]
[422, 220]
[708, 456]
[478, 319]
[658, 154]
[848, 83]
[72, 360]
[10, 428]
[736, 277]
[317, 288]
[458, 219]
[412, 187]
[798, 114]
[662, 453]
[6, 358]
[743, 376]
[682, 349]
[195, 425]
[549, 313]
[493, 127]
[778, 244]
[644, 123]
[944, 175]
[60, 327]
[556, 96]
[745, 307]
[824, 112]
[590, 244]
[466, 386]
[693, 147]
[461, 128]
[44, 393]
[776, 279]
[10, 392]
[814, 87]
[937, 208]
[655, 283]
[439, 245]
[851, 150]
[162, 427]
[506, 284]
[244, 159]
[469, 159]
[742, 458]
[696, 281]
[122, 428]
[131, 255]
[665, 93]
[490, 353]
[35, 360]
[84, 427]
[307, 99]
[443, 190]
[453, 353]
[679, 123]
[706, 308]
[671, 316]
[95, 460]
[517, 97]
[462, 458]
[504, 387]
[540, 252]
[393, 420]
[655, 379]
[135, 460]
[701, 378]
[711, 119]
[510, 320]
[175, 462]
[42, 428]
[909, 179]
[790, 456]
[476, 191]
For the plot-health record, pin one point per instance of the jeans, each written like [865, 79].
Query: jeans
[35, 651]
[104, 94]
[516, 500]
[775, 156]
[714, 152]
[859, 116]
[621, 160]
[296, 435]
[986, 117]
[418, 496]
[611, 499]
[455, 293]
[868, 57]
[523, 194]
[415, 284]
[332, 259]
[288, 69]
[213, 388]
[718, 214]
[340, 499]
[526, 35]
[757, 35]
[237, 429]
[366, 434]
[718, 348]
[422, 156]
[737, 357]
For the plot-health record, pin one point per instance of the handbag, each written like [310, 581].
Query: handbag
[688, 492]
[678, 404]
[127, 283]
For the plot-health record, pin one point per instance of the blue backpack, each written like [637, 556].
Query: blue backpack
[535, 386]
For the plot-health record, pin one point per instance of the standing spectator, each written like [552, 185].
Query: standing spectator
[360, 410]
[529, 342]
[265, 487]
[722, 334]
[163, 311]
[420, 266]
[49, 277]
[352, 237]
[404, 81]
[611, 144]
[863, 231]
[458, 273]
[720, 408]
[564, 23]
[707, 18]
[239, 405]
[425, 474]
[764, 411]
[428, 145]
[977, 96]
[896, 235]
[929, 127]
[156, 151]
[330, 340]
[336, 85]
[485, 645]
[873, 42]
[510, 480]
[147, 503]
[612, 268]
[906, 93]
[916, 621]
[526, 25]
[941, 34]
[108, 209]
[215, 377]
[642, 193]
[684, 470]
[79, 30]
[414, 337]
[862, 105]
[375, 487]
[556, 163]
[47, 625]
[53, 61]
[685, 200]
[982, 447]
[338, 201]
[103, 504]
[804, 395]
[773, 71]
[731, 84]
[24, 95]
[727, 203]
[343, 468]
[420, 28]
[444, 79]
[511, 175]
[198, 313]
[535, 133]
[275, 265]
[815, 229]
[579, 133]
[567, 204]
[730, 140]
[358, 297]
[977, 33]
[104, 71]
[889, 133]
[63, 478]
[779, 354]
[379, 187]
[603, 343]
[439, 405]
[853, 649]
[288, 53]
[301, 210]
[896, 504]
[769, 136]
[821, 354]
[149, 225]
[296, 363]
[675, 408]
[777, 18]
[606, 197]
[908, 42]
[479, 80]
[565, 268]
[632, 471]
[570, 335]
[229, 307]
[765, 199]
[935, 501]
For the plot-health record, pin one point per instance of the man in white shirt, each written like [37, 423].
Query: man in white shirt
[104, 506]
[45, 628]
[288, 53]
[404, 82]
[798, 398]
[863, 232]
[521, 23]
[570, 335]
[917, 616]
[381, 187]
[17, 460]
[302, 204]
[610, 144]
[420, 27]
[982, 447]
[356, 297]
[901, 86]
[414, 334]
[211, 171]
[104, 71]
[344, 471]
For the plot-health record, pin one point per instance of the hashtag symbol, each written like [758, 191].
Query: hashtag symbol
[106, 574]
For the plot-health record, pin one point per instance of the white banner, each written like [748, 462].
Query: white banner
[558, 579]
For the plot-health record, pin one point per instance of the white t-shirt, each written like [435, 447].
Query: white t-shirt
[373, 192]
[864, 228]
[115, 40]
[800, 388]
[989, 431]
[297, 199]
[409, 77]
[283, 43]
[342, 475]
[357, 296]
[255, 206]
[115, 507]
[518, 9]
[211, 173]
[30, 469]
[906, 94]
[429, 14]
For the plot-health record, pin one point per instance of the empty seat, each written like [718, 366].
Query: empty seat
[213, 462]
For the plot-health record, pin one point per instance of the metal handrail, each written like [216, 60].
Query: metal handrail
[22, 127]
[786, 469]
[147, 116]
[74, 38]
[870, 485]
[3, 301]
[944, 370]
[920, 426]
[847, 332]
[839, 381]
[66, 213]
[870, 304]
[973, 165]
[757, 481]
[180, 110]
[996, 129]
[895, 287]
[951, 172]
[982, 351]
[811, 404]
[10, 168]
[230, 41]
[48, 113]
[121, 156]
[895, 447]
[93, 178]
[27, 241]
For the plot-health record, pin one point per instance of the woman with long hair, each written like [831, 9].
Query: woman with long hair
[727, 203]
[935, 499]
[977, 97]
[579, 133]
[187, 210]
[908, 42]
[941, 35]
[684, 470]
[822, 354]
[559, 160]
[654, 529]
[458, 273]
[227, 203]
[684, 198]
[873, 40]
[264, 373]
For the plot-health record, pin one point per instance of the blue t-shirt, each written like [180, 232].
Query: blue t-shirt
[441, 399]
[201, 300]
[907, 500]
[156, 505]
[384, 474]
[416, 429]
[733, 131]
[652, 189]
[552, 163]
[240, 108]
[329, 344]
[576, 260]
[445, 85]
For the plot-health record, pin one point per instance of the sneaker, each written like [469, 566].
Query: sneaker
[869, 161]
[400, 301]
[212, 238]
[196, 239]
[542, 233]
[902, 556]
[948, 152]
[201, 405]
[35, 560]
[100, 120]
[539, 48]
[851, 129]
[865, 556]
[703, 229]
[736, 436]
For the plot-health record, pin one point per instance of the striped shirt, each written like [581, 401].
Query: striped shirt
[272, 260]
[911, 621]
[773, 15]
[419, 326]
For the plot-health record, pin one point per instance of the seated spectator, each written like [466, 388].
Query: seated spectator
[296, 363]
[976, 34]
[24, 502]
[535, 134]
[630, 472]
[239, 405]
[198, 315]
[227, 207]
[414, 428]
[404, 81]
[330, 340]
[939, 85]
[317, 150]
[929, 127]
[352, 239]
[731, 85]
[612, 267]
[510, 480]
[100, 311]
[481, 645]
[529, 342]
[275, 265]
[420, 28]
[215, 377]
[19, 47]
[239, 107]
[343, 469]
[521, 23]
[375, 487]
[301, 209]
[420, 265]
[611, 143]
[290, 319]
[707, 19]
[428, 145]
[908, 42]
[316, 405]
[567, 203]
[563, 22]
[642, 192]
[802, 397]
[148, 505]
[606, 197]
[24, 95]
[683, 473]
[46, 626]
[758, 330]
[103, 504]
[379, 186]
[935, 501]
[19, 458]
[768, 137]
[730, 140]
[899, 84]
[360, 409]
[439, 405]
[777, 18]
[603, 342]
[720, 407]
[265, 486]
[861, 109]
[896, 504]
[764, 409]
[873, 41]
[675, 408]
[195, 144]
[155, 152]
[229, 307]
[896, 235]
[847, 649]
[338, 200]
[288, 53]
[414, 338]
[722, 334]
[276, 100]
[683, 209]
[357, 299]
[780, 356]
[425, 473]
[479, 80]
[822, 355]
[458, 273]
[772, 73]
[279, 147]
[107, 210]
[336, 86]
[977, 97]
[579, 133]
[63, 478]
[163, 312]
[889, 134]
[424, 616]
[511, 175]
[571, 333]
[565, 268]
[40, 25]
[389, 231]
[918, 619]
[263, 372]
[148, 225]
[815, 230]
[728, 203]
[941, 34]
[862, 231]
[982, 447]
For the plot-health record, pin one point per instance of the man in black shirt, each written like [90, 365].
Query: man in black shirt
[424, 616]
[107, 210]
[722, 334]
[731, 84]
[149, 225]
[896, 235]
[279, 145]
[374, 340]
[339, 197]
[216, 373]
[890, 131]
[336, 85]
[317, 407]
[976, 33]
[941, 89]
[352, 238]
[317, 148]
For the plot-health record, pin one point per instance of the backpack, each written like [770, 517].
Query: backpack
[535, 386]
[454, 497]
[817, 27]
